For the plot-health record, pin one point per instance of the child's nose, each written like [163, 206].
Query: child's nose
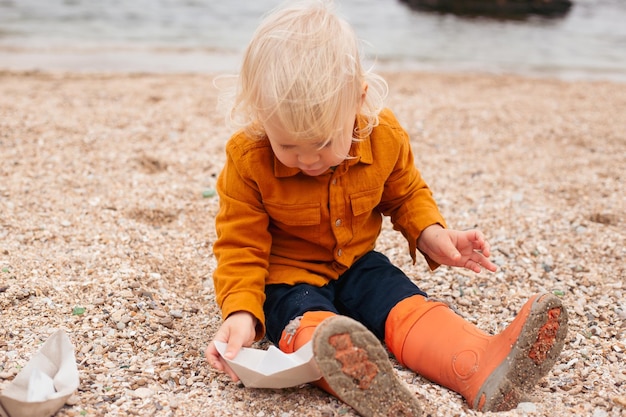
[308, 158]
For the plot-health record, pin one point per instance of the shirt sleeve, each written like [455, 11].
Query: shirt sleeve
[243, 242]
[407, 199]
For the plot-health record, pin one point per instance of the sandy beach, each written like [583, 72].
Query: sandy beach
[107, 203]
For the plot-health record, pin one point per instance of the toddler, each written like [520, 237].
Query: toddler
[316, 165]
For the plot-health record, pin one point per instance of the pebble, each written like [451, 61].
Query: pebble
[527, 407]
[599, 412]
[167, 322]
[160, 313]
[142, 392]
[72, 400]
[6, 374]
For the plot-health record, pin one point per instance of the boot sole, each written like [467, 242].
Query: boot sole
[356, 367]
[532, 356]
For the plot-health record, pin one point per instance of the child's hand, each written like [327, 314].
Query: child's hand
[466, 249]
[238, 330]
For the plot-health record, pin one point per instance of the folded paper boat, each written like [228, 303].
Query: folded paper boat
[45, 383]
[273, 368]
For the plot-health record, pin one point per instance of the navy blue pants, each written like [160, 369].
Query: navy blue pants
[366, 292]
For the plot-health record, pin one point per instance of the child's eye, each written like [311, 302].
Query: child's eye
[322, 145]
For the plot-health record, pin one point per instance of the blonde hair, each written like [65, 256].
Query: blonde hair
[303, 69]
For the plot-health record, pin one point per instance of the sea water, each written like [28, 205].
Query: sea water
[209, 35]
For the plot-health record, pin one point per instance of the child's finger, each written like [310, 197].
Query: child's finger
[235, 343]
[213, 357]
[479, 243]
[216, 361]
[484, 262]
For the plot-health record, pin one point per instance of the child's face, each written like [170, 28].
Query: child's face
[310, 156]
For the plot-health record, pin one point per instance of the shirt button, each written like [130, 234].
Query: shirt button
[334, 181]
[339, 252]
[338, 222]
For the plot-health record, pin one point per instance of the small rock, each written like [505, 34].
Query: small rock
[527, 407]
[599, 412]
[72, 400]
[173, 403]
[142, 392]
[167, 322]
[160, 313]
[117, 315]
[6, 375]
[620, 401]
[126, 294]
[192, 308]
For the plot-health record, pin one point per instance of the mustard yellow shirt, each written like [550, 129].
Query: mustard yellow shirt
[276, 225]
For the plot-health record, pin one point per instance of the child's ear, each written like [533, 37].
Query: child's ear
[364, 93]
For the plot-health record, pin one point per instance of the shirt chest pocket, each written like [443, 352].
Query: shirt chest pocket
[363, 204]
[295, 220]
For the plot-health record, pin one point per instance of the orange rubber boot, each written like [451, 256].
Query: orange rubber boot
[356, 366]
[299, 333]
[492, 373]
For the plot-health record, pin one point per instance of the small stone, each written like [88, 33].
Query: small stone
[117, 315]
[167, 322]
[177, 314]
[527, 407]
[126, 294]
[173, 403]
[599, 412]
[142, 392]
[6, 375]
[192, 308]
[72, 400]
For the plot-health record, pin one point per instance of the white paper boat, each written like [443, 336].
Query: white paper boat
[45, 383]
[273, 368]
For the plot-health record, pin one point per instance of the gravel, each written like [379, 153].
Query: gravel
[106, 224]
